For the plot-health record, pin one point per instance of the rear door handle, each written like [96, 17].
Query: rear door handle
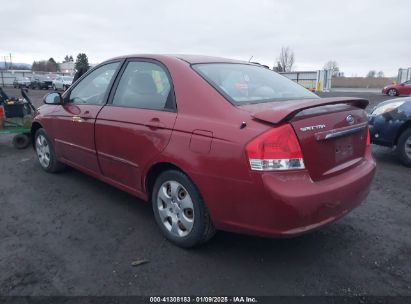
[77, 119]
[154, 123]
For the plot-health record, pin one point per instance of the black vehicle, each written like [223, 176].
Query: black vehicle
[21, 82]
[390, 126]
[41, 82]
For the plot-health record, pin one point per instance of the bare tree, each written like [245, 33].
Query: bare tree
[380, 74]
[332, 65]
[286, 61]
[371, 74]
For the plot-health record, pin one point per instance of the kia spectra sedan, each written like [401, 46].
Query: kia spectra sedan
[212, 143]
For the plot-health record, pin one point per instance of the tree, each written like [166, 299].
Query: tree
[51, 65]
[371, 74]
[34, 66]
[286, 61]
[81, 62]
[68, 58]
[380, 74]
[332, 65]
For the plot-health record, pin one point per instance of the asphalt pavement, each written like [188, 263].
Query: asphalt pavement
[69, 234]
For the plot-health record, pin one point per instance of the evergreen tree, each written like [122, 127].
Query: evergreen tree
[81, 62]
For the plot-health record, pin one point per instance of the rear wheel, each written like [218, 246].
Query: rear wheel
[404, 147]
[392, 92]
[180, 211]
[45, 152]
[21, 141]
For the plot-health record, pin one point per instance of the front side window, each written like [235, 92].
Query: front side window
[92, 89]
[245, 83]
[143, 85]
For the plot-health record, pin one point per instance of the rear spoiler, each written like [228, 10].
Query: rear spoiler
[282, 111]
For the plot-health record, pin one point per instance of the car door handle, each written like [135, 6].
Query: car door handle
[77, 119]
[154, 123]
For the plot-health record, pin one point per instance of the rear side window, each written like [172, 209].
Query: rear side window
[245, 83]
[143, 85]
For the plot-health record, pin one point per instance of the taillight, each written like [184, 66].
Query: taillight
[277, 149]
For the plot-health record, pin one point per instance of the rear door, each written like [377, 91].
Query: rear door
[74, 120]
[136, 124]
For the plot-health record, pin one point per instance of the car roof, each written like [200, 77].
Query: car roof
[191, 59]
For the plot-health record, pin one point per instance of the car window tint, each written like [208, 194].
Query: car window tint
[245, 83]
[143, 85]
[92, 89]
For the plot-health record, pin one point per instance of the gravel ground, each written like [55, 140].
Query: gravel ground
[69, 234]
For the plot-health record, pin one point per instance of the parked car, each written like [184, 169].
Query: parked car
[398, 89]
[390, 126]
[21, 82]
[41, 82]
[213, 143]
[62, 82]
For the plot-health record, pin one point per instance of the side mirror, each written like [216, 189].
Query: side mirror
[53, 98]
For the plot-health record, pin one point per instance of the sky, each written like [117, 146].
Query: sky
[360, 35]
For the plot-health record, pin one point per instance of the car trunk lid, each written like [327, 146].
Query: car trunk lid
[332, 132]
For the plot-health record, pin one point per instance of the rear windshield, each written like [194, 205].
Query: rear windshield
[245, 83]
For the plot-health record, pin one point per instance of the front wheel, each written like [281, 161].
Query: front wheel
[180, 211]
[404, 147]
[392, 92]
[45, 152]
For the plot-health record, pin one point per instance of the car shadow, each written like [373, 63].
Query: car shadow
[224, 246]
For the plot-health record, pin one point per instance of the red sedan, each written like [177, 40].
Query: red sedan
[398, 89]
[212, 143]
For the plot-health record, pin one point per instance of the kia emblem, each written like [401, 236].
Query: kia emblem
[350, 119]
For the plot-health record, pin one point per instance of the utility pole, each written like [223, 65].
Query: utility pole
[11, 62]
[5, 63]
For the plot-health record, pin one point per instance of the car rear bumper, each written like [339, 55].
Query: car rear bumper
[289, 204]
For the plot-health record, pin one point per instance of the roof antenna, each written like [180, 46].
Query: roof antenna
[249, 60]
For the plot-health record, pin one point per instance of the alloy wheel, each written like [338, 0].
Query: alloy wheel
[43, 151]
[392, 92]
[176, 209]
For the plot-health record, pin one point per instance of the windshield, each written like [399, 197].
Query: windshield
[69, 78]
[245, 83]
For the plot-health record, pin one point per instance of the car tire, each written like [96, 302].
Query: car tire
[404, 147]
[392, 92]
[21, 141]
[45, 153]
[180, 211]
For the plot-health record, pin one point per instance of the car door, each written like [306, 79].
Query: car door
[136, 124]
[74, 120]
[407, 87]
